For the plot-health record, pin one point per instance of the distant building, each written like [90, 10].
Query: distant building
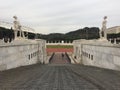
[113, 34]
[113, 30]
[7, 33]
[10, 25]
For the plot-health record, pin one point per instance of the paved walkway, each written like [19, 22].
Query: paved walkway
[59, 58]
[59, 77]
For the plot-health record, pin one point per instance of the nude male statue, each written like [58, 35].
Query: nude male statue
[17, 27]
[103, 31]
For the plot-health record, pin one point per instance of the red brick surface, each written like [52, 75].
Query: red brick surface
[59, 49]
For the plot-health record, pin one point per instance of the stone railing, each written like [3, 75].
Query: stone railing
[21, 53]
[96, 53]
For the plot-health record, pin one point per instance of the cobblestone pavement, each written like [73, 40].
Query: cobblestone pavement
[59, 77]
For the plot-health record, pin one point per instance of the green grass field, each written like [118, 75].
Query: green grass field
[59, 46]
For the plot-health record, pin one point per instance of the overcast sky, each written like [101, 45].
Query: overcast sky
[61, 16]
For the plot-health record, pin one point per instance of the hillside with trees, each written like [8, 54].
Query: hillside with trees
[85, 33]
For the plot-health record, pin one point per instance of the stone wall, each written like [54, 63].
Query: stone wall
[21, 53]
[97, 53]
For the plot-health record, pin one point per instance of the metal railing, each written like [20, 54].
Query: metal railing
[51, 57]
[69, 60]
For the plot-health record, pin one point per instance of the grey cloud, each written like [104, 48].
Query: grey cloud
[61, 15]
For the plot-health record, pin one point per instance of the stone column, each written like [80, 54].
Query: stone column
[115, 41]
[110, 40]
[62, 41]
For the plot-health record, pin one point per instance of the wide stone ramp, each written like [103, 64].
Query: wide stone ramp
[59, 77]
[59, 58]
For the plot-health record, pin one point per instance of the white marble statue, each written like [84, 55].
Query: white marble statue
[103, 32]
[17, 27]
